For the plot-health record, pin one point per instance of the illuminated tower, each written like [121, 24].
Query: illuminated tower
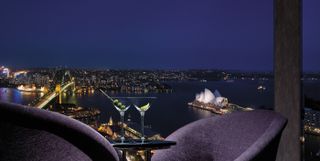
[110, 123]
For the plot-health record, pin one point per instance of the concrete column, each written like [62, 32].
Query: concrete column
[287, 72]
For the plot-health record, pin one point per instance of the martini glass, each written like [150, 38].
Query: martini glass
[142, 104]
[122, 104]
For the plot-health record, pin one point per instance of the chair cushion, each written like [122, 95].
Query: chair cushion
[237, 136]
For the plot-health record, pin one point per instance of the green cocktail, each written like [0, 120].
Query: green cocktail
[122, 104]
[142, 104]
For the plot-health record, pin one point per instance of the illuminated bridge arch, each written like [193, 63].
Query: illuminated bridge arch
[61, 81]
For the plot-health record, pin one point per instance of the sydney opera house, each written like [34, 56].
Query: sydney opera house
[213, 102]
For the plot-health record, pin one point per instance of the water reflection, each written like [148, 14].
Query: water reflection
[16, 96]
[200, 113]
[4, 94]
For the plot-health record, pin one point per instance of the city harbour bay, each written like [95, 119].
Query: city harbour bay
[170, 111]
[162, 116]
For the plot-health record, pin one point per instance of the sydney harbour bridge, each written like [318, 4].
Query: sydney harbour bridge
[61, 82]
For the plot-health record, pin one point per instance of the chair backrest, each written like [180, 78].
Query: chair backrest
[240, 136]
[27, 133]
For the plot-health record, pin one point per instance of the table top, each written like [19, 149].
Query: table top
[136, 144]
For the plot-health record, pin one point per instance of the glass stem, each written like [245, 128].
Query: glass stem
[142, 126]
[122, 126]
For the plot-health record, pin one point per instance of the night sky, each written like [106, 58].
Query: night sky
[151, 34]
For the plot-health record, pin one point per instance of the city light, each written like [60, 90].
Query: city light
[31, 88]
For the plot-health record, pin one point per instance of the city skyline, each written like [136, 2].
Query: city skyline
[147, 35]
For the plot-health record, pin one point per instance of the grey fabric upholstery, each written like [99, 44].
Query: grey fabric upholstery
[30, 134]
[240, 136]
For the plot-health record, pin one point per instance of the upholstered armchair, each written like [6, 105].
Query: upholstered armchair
[30, 134]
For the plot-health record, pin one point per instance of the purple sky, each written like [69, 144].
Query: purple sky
[169, 34]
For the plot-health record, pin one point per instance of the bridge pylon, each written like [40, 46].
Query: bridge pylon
[58, 91]
[73, 87]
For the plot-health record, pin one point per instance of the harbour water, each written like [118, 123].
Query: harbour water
[170, 110]
[16, 96]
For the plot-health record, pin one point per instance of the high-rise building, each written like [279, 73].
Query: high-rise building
[4, 72]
